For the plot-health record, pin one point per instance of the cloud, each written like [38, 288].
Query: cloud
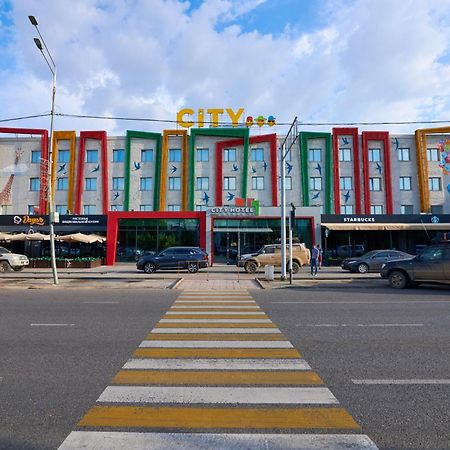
[367, 61]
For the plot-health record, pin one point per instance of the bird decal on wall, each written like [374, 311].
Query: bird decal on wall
[264, 166]
[62, 167]
[235, 168]
[289, 167]
[173, 169]
[379, 168]
[315, 196]
[448, 188]
[396, 143]
[116, 196]
[345, 141]
[253, 169]
[137, 165]
[230, 196]
[205, 198]
[318, 168]
[96, 169]
[347, 196]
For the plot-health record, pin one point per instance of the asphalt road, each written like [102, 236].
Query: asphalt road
[60, 349]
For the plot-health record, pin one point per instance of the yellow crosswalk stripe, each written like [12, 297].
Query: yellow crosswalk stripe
[215, 325]
[215, 316]
[215, 337]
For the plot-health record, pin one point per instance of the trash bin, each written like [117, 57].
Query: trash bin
[269, 272]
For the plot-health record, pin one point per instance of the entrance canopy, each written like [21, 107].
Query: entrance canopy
[370, 226]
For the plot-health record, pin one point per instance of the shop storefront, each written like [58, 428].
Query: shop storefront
[352, 235]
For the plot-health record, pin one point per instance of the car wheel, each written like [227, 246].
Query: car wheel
[149, 267]
[192, 267]
[4, 266]
[398, 280]
[250, 267]
[295, 267]
[362, 268]
[18, 269]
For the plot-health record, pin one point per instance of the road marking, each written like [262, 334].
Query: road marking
[106, 302]
[227, 377]
[163, 441]
[213, 330]
[407, 382]
[209, 321]
[408, 302]
[214, 308]
[215, 337]
[217, 364]
[52, 324]
[360, 325]
[215, 313]
[223, 325]
[215, 418]
[214, 316]
[215, 302]
[215, 344]
[215, 353]
[219, 395]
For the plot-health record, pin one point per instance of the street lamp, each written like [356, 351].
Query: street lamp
[53, 217]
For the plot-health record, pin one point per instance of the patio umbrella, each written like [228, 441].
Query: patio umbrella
[77, 237]
[18, 237]
[5, 237]
[37, 237]
[97, 238]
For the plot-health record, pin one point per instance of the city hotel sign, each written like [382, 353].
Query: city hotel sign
[232, 211]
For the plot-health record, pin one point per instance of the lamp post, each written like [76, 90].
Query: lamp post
[53, 217]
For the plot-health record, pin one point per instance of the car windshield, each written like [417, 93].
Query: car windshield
[4, 250]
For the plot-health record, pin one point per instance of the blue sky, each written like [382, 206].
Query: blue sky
[331, 61]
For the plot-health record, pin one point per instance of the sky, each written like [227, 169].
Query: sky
[326, 62]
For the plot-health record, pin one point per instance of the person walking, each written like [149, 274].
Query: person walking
[320, 257]
[314, 259]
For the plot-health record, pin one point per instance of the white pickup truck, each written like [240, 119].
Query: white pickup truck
[12, 261]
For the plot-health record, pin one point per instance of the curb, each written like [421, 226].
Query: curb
[175, 284]
[260, 283]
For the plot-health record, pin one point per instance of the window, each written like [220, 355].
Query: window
[257, 183]
[118, 184]
[345, 183]
[405, 183]
[315, 183]
[376, 209]
[146, 184]
[315, 154]
[174, 154]
[229, 154]
[375, 184]
[35, 184]
[374, 154]
[118, 156]
[433, 154]
[63, 156]
[61, 209]
[202, 184]
[91, 156]
[90, 184]
[434, 184]
[145, 208]
[345, 154]
[32, 209]
[62, 184]
[403, 154]
[173, 208]
[203, 154]
[406, 209]
[174, 183]
[346, 209]
[432, 254]
[36, 156]
[200, 207]
[116, 207]
[147, 155]
[89, 209]
[437, 209]
[257, 154]
[287, 183]
[229, 183]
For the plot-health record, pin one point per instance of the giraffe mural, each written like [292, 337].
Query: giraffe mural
[5, 194]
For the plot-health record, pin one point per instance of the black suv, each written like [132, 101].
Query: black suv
[432, 265]
[180, 258]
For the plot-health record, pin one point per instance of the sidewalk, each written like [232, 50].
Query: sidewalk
[220, 276]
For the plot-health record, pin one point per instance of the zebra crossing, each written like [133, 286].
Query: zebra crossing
[216, 372]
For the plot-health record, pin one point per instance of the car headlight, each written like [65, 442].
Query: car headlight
[383, 266]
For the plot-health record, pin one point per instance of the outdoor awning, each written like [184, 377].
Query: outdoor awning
[243, 230]
[368, 226]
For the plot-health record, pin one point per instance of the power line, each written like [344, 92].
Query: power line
[12, 119]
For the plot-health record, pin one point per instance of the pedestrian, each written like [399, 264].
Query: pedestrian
[319, 259]
[314, 258]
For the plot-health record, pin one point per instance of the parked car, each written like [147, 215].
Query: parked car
[181, 258]
[432, 265]
[271, 255]
[372, 261]
[12, 261]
